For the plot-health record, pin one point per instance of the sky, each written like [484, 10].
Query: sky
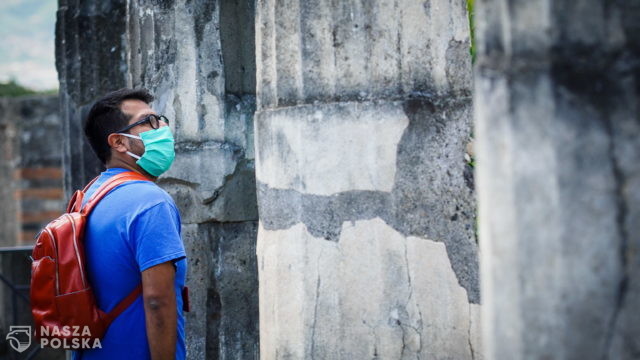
[27, 49]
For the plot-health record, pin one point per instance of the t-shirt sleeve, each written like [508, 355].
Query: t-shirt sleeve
[155, 235]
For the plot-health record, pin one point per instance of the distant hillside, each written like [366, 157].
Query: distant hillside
[12, 89]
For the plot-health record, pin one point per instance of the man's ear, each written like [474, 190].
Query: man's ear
[116, 142]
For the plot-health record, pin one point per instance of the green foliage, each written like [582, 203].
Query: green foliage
[13, 89]
[472, 28]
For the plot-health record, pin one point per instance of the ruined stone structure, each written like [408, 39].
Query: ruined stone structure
[327, 203]
[30, 196]
[366, 243]
[557, 103]
[31, 167]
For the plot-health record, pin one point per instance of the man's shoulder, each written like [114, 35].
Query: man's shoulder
[144, 193]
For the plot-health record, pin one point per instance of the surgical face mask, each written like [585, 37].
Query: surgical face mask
[158, 150]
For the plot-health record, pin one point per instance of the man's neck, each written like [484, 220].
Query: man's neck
[119, 163]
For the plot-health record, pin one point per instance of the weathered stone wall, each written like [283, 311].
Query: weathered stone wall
[557, 108]
[366, 245]
[30, 196]
[196, 58]
[31, 163]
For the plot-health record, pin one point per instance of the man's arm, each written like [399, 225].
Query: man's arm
[161, 315]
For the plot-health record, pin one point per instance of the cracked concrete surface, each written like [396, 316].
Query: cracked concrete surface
[407, 304]
[428, 195]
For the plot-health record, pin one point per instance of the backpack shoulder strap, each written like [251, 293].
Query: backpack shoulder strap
[123, 304]
[75, 203]
[109, 185]
[86, 188]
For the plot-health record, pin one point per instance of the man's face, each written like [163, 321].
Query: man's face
[138, 110]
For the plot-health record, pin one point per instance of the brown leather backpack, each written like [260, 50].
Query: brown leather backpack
[62, 302]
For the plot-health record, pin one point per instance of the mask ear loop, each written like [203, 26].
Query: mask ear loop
[133, 155]
[129, 152]
[131, 136]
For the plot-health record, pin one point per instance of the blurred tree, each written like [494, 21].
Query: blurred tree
[13, 89]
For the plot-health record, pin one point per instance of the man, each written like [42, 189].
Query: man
[133, 234]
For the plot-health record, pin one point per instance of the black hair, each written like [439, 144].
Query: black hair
[106, 117]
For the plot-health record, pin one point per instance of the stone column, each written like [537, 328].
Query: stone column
[9, 182]
[91, 59]
[557, 121]
[182, 52]
[366, 244]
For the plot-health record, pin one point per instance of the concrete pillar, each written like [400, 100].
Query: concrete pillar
[182, 51]
[557, 121]
[366, 244]
[91, 60]
[9, 186]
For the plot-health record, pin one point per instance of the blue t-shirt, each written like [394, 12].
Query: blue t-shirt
[134, 227]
